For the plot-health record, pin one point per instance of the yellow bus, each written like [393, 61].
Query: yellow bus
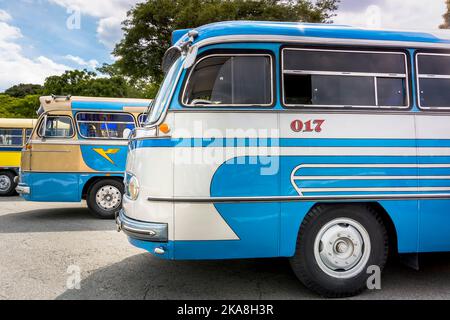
[14, 133]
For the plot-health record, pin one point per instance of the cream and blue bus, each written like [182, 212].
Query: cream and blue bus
[329, 145]
[78, 150]
[14, 133]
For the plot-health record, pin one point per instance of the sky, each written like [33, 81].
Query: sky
[40, 38]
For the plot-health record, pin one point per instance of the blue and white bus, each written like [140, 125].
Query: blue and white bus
[78, 151]
[329, 145]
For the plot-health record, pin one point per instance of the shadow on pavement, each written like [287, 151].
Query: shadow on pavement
[53, 220]
[145, 277]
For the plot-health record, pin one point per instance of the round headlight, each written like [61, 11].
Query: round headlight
[133, 188]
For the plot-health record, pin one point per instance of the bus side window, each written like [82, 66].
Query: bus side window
[433, 72]
[57, 127]
[336, 78]
[11, 137]
[104, 125]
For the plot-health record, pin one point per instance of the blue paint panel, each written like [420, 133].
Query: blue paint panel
[434, 225]
[286, 142]
[107, 106]
[52, 187]
[55, 186]
[98, 163]
[267, 29]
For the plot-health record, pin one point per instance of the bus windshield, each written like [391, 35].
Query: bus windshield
[165, 92]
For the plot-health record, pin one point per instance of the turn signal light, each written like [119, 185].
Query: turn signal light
[164, 128]
[28, 146]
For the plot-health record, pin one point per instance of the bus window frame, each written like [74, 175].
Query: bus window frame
[102, 113]
[38, 127]
[13, 145]
[228, 53]
[427, 76]
[407, 76]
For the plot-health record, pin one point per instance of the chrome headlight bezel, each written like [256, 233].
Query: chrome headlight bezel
[132, 187]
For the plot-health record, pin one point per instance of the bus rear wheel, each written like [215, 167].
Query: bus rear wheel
[7, 185]
[104, 198]
[336, 246]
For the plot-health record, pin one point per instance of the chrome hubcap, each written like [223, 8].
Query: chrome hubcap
[342, 248]
[108, 198]
[5, 183]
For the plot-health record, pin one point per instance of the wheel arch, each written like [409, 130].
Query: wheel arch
[377, 207]
[91, 181]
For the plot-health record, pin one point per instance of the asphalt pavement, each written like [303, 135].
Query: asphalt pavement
[47, 247]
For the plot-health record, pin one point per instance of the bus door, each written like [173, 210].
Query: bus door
[55, 159]
[433, 133]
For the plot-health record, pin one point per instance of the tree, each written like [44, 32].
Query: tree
[12, 107]
[446, 24]
[86, 83]
[149, 26]
[22, 90]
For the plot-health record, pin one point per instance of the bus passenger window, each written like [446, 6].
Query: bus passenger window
[434, 80]
[104, 125]
[240, 80]
[332, 78]
[58, 127]
[11, 137]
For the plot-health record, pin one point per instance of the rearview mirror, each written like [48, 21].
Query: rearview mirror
[171, 55]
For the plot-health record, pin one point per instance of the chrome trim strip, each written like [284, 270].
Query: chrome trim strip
[21, 189]
[300, 198]
[148, 231]
[109, 142]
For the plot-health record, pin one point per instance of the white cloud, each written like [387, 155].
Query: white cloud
[80, 61]
[15, 67]
[4, 16]
[393, 14]
[110, 13]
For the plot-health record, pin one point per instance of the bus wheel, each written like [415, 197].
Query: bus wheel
[104, 198]
[336, 245]
[7, 185]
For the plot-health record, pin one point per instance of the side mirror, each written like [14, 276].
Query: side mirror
[126, 133]
[43, 128]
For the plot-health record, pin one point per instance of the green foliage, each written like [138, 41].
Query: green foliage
[12, 107]
[149, 26]
[446, 16]
[86, 83]
[22, 90]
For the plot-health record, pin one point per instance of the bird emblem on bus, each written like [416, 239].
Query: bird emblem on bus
[106, 153]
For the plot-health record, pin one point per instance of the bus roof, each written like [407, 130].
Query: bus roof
[53, 103]
[17, 123]
[251, 31]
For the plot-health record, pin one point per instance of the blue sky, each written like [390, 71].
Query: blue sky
[36, 42]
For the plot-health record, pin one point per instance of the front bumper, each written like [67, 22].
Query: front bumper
[23, 189]
[147, 231]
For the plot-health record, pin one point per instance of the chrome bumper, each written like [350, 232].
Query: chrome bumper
[148, 231]
[21, 189]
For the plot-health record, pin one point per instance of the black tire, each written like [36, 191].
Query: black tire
[7, 177]
[104, 185]
[306, 266]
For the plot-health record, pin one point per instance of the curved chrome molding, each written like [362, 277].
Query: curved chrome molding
[345, 198]
[148, 231]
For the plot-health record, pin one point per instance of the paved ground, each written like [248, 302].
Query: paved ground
[38, 242]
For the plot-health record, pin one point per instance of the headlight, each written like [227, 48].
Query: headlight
[132, 187]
